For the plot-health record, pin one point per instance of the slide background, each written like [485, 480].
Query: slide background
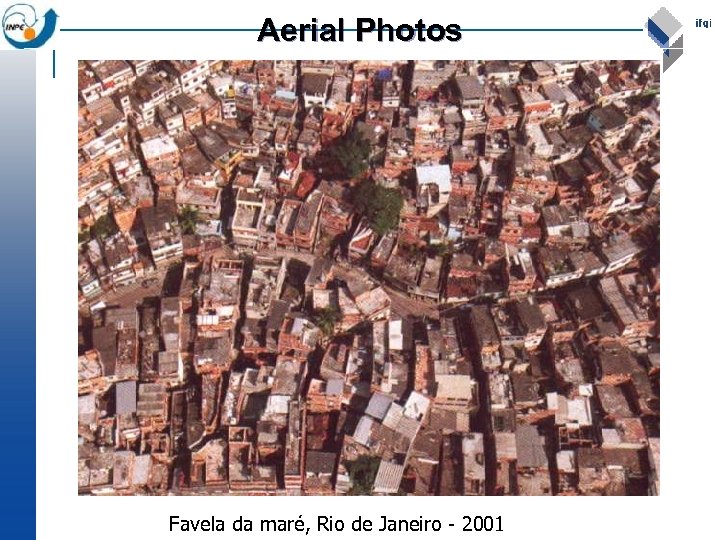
[689, 203]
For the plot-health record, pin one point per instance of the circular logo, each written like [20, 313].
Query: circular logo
[23, 29]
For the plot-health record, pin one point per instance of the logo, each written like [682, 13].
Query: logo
[24, 30]
[662, 27]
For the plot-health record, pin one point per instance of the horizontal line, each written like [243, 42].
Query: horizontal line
[539, 30]
[159, 29]
[346, 29]
[551, 29]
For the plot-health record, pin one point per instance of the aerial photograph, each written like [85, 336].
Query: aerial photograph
[367, 277]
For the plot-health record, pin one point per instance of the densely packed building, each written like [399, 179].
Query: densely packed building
[252, 322]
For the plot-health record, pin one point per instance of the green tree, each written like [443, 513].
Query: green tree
[326, 319]
[352, 153]
[363, 196]
[414, 252]
[104, 226]
[362, 472]
[380, 205]
[83, 236]
[442, 249]
[188, 219]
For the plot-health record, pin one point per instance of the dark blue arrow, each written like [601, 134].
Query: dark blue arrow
[40, 40]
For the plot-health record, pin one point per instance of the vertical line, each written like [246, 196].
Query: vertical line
[53, 63]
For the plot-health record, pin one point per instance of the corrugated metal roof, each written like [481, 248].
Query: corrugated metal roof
[362, 430]
[530, 447]
[378, 405]
[141, 470]
[86, 408]
[393, 416]
[125, 397]
[388, 477]
[408, 427]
